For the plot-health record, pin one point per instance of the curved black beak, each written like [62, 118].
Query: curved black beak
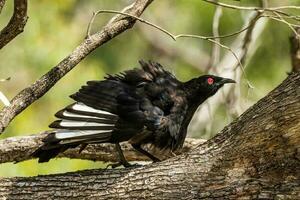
[227, 80]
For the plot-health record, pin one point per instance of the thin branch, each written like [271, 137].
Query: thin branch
[212, 39]
[251, 7]
[290, 25]
[173, 36]
[129, 15]
[16, 24]
[2, 3]
[16, 149]
[273, 10]
[30, 94]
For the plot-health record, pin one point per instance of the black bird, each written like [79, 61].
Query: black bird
[146, 105]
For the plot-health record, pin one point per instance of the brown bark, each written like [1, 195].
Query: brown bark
[16, 24]
[30, 94]
[16, 149]
[255, 157]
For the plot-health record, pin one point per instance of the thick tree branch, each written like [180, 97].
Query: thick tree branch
[255, 157]
[17, 149]
[30, 94]
[16, 24]
[295, 51]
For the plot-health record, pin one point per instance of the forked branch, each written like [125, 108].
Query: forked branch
[16, 24]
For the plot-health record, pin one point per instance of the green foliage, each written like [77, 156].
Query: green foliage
[55, 28]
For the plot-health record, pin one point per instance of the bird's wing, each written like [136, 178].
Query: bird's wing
[153, 82]
[102, 108]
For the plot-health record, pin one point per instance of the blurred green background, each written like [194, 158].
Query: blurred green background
[55, 28]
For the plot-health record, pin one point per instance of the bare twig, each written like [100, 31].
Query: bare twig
[16, 24]
[173, 36]
[30, 94]
[277, 11]
[290, 25]
[2, 2]
[213, 39]
[16, 149]
[251, 7]
[129, 15]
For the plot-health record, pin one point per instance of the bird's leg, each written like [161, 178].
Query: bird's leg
[146, 153]
[122, 158]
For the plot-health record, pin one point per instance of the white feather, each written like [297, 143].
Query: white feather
[70, 123]
[66, 134]
[69, 114]
[82, 107]
[68, 141]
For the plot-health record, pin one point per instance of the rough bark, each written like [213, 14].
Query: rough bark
[16, 149]
[255, 157]
[16, 24]
[30, 94]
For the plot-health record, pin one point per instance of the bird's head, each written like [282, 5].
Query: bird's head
[205, 86]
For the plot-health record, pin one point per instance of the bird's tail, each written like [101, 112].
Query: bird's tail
[79, 124]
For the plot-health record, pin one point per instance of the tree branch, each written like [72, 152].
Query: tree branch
[16, 149]
[16, 24]
[251, 7]
[30, 94]
[295, 51]
[255, 157]
[2, 2]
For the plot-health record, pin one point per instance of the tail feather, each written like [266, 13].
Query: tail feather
[78, 124]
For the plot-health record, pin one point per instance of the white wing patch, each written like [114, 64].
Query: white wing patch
[83, 125]
[69, 114]
[82, 107]
[69, 134]
[70, 123]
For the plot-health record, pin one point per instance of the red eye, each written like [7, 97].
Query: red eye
[210, 81]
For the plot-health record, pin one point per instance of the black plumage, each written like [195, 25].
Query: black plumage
[146, 105]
